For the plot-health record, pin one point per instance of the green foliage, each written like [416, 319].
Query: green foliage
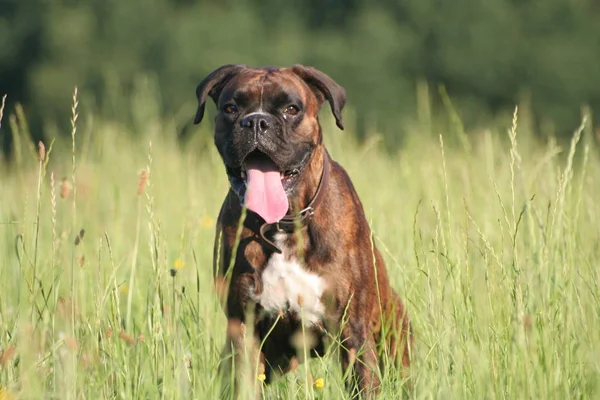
[489, 55]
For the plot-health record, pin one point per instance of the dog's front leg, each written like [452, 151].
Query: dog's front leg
[360, 361]
[241, 363]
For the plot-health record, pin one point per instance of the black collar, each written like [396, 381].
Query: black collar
[290, 222]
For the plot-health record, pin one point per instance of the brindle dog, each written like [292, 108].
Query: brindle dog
[304, 253]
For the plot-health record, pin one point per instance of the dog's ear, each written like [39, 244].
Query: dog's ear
[212, 86]
[325, 88]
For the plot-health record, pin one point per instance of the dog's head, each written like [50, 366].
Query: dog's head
[267, 127]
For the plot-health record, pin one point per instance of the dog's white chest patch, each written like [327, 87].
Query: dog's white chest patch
[286, 285]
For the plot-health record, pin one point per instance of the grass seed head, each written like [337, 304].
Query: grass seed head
[142, 182]
[79, 237]
[41, 151]
[127, 338]
[65, 188]
[7, 355]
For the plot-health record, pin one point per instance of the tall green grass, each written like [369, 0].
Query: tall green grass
[106, 245]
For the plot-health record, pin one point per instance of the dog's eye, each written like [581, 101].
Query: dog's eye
[230, 109]
[291, 110]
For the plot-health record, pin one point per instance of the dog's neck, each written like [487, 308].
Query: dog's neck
[310, 183]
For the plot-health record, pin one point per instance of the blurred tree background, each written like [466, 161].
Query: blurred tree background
[391, 55]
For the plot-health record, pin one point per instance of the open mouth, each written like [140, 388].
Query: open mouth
[285, 176]
[242, 172]
[262, 186]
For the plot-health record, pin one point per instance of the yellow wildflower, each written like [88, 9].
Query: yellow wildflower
[261, 377]
[178, 264]
[320, 383]
[206, 222]
[5, 395]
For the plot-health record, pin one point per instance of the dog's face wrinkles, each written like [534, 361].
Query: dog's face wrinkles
[267, 121]
[288, 286]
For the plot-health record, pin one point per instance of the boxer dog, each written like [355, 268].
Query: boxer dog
[293, 252]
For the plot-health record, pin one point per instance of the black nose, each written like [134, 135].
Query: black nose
[257, 122]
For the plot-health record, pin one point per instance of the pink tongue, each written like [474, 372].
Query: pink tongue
[264, 193]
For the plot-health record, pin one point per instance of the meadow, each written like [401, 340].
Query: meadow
[106, 263]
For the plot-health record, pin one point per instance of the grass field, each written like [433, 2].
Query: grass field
[106, 253]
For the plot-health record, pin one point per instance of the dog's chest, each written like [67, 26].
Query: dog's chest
[288, 286]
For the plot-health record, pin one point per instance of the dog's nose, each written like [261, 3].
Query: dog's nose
[257, 122]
